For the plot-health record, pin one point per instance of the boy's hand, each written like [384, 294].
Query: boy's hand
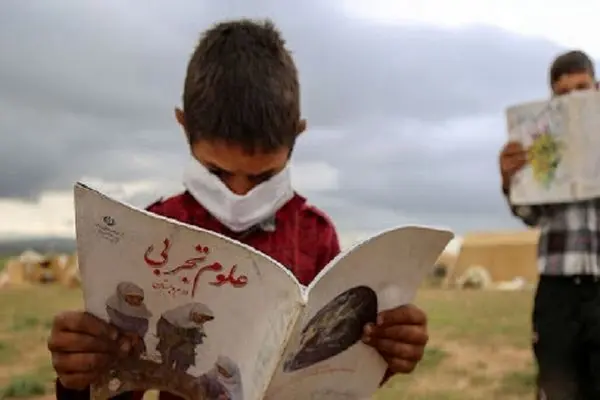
[400, 336]
[513, 157]
[82, 347]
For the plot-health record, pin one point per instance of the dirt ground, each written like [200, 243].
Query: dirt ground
[479, 349]
[468, 372]
[479, 346]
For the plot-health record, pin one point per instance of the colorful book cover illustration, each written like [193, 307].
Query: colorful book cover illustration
[560, 136]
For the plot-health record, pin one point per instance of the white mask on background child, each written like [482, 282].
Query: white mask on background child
[237, 212]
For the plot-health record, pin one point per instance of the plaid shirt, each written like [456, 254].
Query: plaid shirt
[569, 236]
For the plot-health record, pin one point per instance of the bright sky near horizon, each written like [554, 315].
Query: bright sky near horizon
[568, 24]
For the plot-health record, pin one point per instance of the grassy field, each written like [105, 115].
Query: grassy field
[479, 347]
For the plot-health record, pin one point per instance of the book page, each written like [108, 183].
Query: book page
[197, 306]
[586, 113]
[325, 357]
[543, 129]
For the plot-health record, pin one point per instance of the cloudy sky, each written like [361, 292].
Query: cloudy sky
[409, 96]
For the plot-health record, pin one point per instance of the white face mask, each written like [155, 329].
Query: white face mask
[236, 212]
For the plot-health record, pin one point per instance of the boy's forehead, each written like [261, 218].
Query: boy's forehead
[234, 158]
[574, 81]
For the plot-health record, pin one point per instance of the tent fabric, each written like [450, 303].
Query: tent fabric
[29, 269]
[505, 255]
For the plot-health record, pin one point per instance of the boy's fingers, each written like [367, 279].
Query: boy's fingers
[510, 166]
[515, 157]
[80, 363]
[514, 165]
[512, 148]
[399, 365]
[404, 315]
[78, 343]
[82, 322]
[392, 349]
[77, 381]
[411, 334]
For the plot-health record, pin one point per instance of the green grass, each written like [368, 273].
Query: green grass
[517, 383]
[25, 319]
[433, 357]
[24, 322]
[3, 261]
[8, 352]
[479, 346]
[25, 386]
[480, 316]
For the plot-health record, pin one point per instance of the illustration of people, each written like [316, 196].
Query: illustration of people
[126, 310]
[180, 331]
[224, 381]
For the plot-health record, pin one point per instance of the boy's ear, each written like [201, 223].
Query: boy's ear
[180, 117]
[301, 127]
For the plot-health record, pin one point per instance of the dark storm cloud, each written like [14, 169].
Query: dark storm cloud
[88, 89]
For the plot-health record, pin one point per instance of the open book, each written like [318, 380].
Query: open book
[562, 137]
[212, 318]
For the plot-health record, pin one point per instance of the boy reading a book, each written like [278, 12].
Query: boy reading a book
[241, 117]
[566, 314]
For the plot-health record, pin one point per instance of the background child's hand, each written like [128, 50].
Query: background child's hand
[82, 348]
[400, 336]
[513, 157]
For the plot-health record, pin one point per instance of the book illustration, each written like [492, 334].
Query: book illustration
[561, 136]
[126, 310]
[334, 328]
[545, 155]
[224, 381]
[544, 130]
[539, 127]
[179, 332]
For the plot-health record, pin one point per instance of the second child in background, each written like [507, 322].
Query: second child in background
[566, 314]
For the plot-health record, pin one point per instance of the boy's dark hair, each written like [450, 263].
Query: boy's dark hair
[571, 62]
[242, 87]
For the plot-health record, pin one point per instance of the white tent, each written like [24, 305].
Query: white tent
[30, 257]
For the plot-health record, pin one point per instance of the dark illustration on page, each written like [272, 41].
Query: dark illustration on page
[126, 310]
[334, 328]
[179, 333]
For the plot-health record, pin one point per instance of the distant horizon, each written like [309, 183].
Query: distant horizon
[13, 246]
